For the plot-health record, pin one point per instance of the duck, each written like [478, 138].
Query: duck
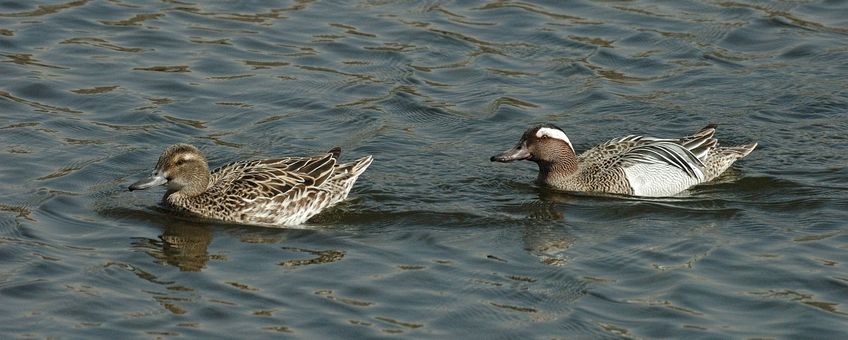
[271, 192]
[631, 165]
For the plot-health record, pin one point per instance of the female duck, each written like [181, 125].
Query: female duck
[630, 165]
[283, 191]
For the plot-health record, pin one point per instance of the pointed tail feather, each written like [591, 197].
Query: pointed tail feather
[353, 169]
[742, 150]
[345, 176]
[710, 128]
[360, 165]
[336, 151]
[721, 158]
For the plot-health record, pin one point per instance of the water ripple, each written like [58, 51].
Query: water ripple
[435, 240]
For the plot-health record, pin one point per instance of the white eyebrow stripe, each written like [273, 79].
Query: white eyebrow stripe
[555, 133]
[188, 156]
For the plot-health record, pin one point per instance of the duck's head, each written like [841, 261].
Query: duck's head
[544, 143]
[182, 167]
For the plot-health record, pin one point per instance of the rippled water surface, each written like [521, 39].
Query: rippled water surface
[435, 241]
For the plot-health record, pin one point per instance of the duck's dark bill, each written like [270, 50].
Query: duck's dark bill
[148, 183]
[517, 153]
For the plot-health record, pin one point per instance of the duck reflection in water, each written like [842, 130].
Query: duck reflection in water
[183, 245]
[545, 235]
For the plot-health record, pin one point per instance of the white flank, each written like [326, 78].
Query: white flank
[554, 133]
[656, 180]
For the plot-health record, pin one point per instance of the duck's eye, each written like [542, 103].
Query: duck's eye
[545, 136]
[180, 162]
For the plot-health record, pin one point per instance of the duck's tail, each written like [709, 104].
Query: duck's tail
[721, 158]
[740, 150]
[352, 169]
[345, 175]
[355, 168]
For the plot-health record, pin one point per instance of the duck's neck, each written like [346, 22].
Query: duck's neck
[559, 169]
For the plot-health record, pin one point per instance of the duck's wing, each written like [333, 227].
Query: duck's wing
[606, 155]
[273, 178]
[660, 167]
[653, 166]
[686, 154]
[664, 156]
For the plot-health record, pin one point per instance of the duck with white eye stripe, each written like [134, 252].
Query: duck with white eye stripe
[630, 165]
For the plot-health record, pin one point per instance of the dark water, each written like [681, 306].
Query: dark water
[436, 241]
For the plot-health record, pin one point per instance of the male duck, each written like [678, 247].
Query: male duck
[630, 165]
[283, 191]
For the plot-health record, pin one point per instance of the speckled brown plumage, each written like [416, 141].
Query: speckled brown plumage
[283, 191]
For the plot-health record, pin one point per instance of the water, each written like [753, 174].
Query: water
[436, 240]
